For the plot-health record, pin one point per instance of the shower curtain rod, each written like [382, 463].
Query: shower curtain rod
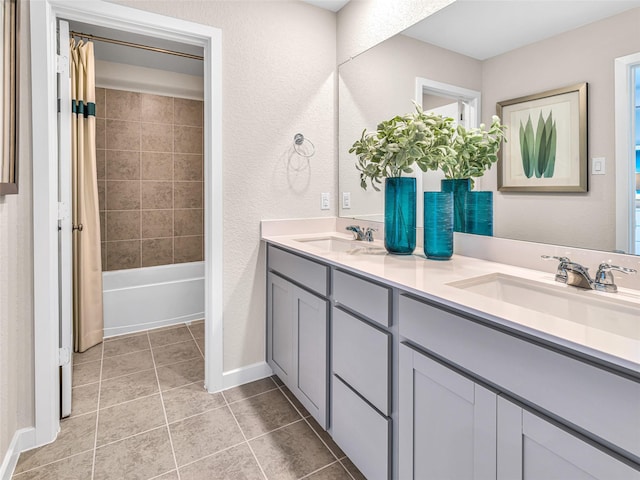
[135, 45]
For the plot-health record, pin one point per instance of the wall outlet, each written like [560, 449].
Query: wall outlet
[346, 199]
[324, 201]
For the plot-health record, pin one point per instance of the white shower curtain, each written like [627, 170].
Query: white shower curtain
[88, 323]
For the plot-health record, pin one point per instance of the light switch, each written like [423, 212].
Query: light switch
[598, 166]
[324, 201]
[346, 200]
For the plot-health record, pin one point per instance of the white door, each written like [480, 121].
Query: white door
[64, 219]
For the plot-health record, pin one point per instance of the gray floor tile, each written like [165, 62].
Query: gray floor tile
[85, 373]
[296, 403]
[121, 346]
[77, 435]
[128, 387]
[179, 374]
[84, 399]
[200, 343]
[131, 418]
[176, 352]
[249, 389]
[196, 437]
[77, 467]
[192, 399]
[233, 464]
[352, 469]
[126, 364]
[135, 458]
[264, 413]
[167, 476]
[168, 335]
[326, 438]
[291, 452]
[197, 329]
[276, 379]
[91, 355]
[335, 471]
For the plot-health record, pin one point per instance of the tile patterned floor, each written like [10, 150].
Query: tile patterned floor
[140, 412]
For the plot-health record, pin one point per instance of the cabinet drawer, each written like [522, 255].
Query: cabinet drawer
[593, 399]
[312, 275]
[367, 298]
[361, 358]
[361, 432]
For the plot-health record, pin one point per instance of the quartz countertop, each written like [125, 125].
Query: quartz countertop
[429, 279]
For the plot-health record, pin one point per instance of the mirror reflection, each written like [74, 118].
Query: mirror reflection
[516, 50]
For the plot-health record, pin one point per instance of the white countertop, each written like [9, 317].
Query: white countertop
[427, 278]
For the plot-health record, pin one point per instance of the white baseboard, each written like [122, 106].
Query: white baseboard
[243, 375]
[22, 440]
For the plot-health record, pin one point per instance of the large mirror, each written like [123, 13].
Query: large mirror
[500, 51]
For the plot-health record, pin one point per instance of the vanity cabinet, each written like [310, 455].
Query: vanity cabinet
[297, 330]
[595, 411]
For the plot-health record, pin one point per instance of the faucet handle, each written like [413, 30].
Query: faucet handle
[561, 273]
[358, 234]
[604, 277]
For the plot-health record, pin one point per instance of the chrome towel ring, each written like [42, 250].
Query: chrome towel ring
[298, 141]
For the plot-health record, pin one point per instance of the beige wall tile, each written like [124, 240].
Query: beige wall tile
[103, 255]
[188, 194]
[157, 137]
[157, 251]
[102, 190]
[100, 99]
[188, 112]
[187, 166]
[123, 135]
[157, 195]
[101, 167]
[123, 165]
[187, 139]
[103, 225]
[122, 255]
[123, 225]
[157, 166]
[187, 249]
[156, 108]
[123, 195]
[157, 223]
[101, 133]
[122, 105]
[188, 222]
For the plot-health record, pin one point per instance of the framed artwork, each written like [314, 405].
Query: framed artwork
[8, 121]
[545, 147]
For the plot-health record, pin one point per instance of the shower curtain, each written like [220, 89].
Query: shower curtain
[87, 262]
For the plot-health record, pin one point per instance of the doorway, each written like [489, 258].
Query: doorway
[44, 16]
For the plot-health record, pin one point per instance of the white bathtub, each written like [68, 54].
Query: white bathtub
[152, 297]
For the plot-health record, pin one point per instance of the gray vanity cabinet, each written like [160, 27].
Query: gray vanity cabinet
[447, 422]
[297, 330]
[531, 448]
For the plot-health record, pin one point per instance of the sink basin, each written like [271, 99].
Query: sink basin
[601, 311]
[339, 244]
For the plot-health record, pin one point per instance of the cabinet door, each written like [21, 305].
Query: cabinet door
[447, 422]
[280, 327]
[531, 448]
[310, 330]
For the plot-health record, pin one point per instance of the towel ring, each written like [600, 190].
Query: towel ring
[298, 140]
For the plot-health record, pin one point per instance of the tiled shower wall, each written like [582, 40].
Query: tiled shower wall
[150, 179]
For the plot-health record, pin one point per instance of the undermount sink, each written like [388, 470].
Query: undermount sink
[601, 311]
[330, 243]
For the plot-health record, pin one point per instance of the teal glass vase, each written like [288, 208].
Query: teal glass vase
[478, 213]
[400, 215]
[459, 187]
[438, 225]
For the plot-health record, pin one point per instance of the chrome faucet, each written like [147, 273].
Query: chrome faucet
[365, 234]
[574, 274]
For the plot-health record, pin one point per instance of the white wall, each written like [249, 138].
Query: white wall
[278, 79]
[16, 277]
[582, 55]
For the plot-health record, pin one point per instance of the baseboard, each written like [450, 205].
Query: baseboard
[247, 374]
[142, 327]
[22, 440]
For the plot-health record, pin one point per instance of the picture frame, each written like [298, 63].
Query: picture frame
[545, 145]
[9, 23]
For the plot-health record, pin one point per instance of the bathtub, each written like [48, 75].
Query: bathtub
[151, 297]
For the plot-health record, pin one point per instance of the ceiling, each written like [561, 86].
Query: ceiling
[504, 25]
[333, 5]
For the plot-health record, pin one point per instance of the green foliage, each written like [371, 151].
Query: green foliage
[538, 150]
[476, 149]
[419, 138]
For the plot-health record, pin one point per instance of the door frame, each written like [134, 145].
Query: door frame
[625, 153]
[43, 16]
